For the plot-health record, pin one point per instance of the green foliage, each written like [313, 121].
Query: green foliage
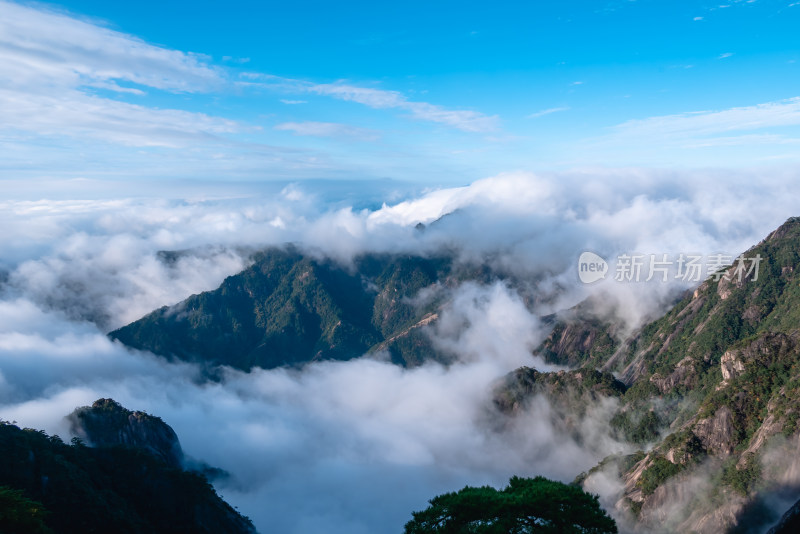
[758, 321]
[771, 360]
[790, 425]
[99, 490]
[399, 280]
[630, 460]
[21, 515]
[704, 325]
[635, 507]
[687, 446]
[641, 392]
[526, 505]
[743, 480]
[106, 424]
[602, 382]
[656, 474]
[289, 308]
[637, 427]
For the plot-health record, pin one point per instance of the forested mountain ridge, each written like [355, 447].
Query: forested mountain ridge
[709, 393]
[712, 397]
[290, 308]
[120, 486]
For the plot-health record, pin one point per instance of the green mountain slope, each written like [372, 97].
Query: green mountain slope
[121, 489]
[713, 397]
[289, 308]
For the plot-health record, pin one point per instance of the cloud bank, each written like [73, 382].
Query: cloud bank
[349, 446]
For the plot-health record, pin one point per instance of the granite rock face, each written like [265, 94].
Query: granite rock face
[106, 423]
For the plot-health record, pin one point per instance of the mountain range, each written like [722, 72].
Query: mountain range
[703, 393]
[706, 398]
[712, 396]
[291, 308]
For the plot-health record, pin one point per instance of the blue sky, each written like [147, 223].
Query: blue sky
[428, 92]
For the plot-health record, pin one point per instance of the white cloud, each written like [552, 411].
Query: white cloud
[548, 111]
[742, 140]
[239, 60]
[744, 135]
[50, 64]
[512, 193]
[328, 129]
[99, 260]
[725, 55]
[76, 114]
[385, 438]
[78, 98]
[699, 123]
[466, 120]
[43, 47]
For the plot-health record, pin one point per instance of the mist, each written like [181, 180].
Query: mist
[352, 446]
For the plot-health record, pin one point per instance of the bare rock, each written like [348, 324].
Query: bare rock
[106, 423]
[717, 433]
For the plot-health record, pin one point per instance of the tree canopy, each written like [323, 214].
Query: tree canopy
[526, 505]
[19, 514]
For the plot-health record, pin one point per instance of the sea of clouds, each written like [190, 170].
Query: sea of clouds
[351, 446]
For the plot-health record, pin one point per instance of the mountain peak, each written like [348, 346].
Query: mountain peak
[790, 228]
[106, 423]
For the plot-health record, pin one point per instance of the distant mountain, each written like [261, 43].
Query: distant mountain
[291, 308]
[712, 396]
[126, 484]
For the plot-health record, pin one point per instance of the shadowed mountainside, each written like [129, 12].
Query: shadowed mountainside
[123, 485]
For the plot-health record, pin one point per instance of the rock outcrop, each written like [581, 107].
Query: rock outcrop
[107, 424]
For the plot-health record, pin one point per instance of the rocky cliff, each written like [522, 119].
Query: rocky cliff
[722, 372]
[711, 396]
[107, 424]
